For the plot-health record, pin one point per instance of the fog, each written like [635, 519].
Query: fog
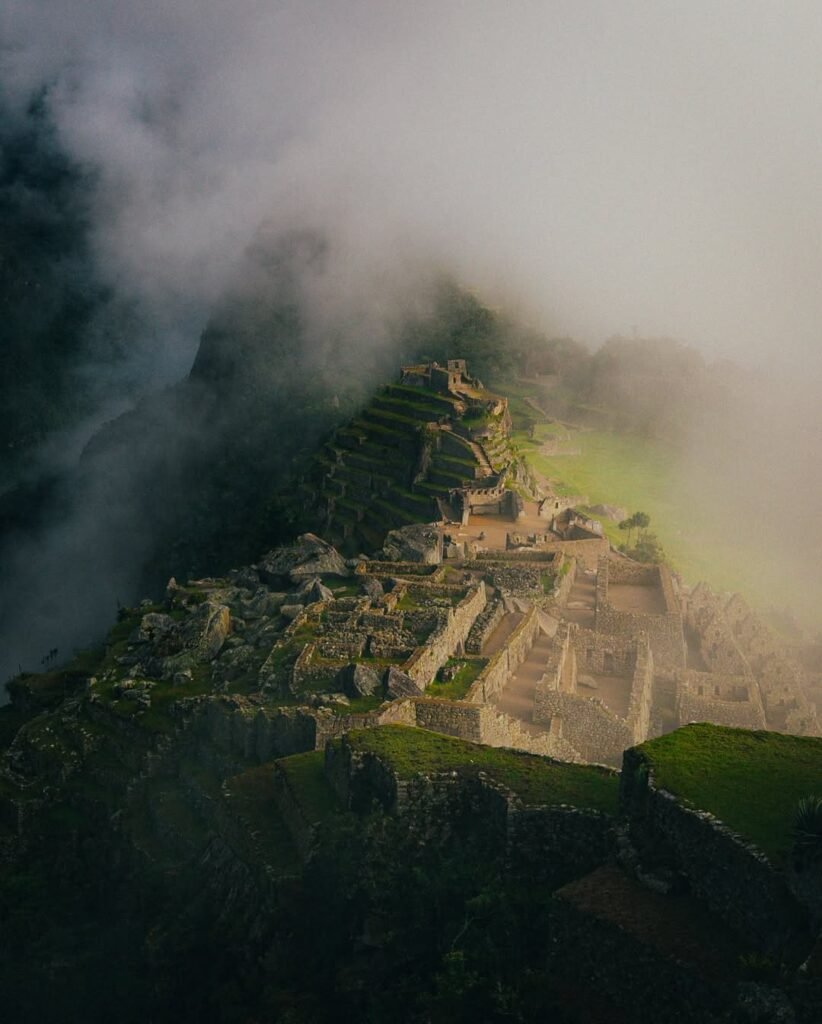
[595, 167]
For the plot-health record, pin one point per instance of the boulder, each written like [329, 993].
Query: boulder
[291, 611]
[588, 681]
[308, 556]
[205, 631]
[153, 626]
[246, 578]
[398, 684]
[420, 542]
[359, 680]
[312, 590]
[261, 604]
[372, 588]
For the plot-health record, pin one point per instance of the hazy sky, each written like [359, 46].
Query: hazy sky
[605, 164]
[597, 166]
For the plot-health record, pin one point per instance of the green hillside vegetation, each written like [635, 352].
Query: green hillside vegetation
[642, 473]
[535, 780]
[455, 689]
[752, 781]
[306, 777]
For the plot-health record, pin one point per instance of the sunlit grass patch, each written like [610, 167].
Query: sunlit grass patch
[536, 780]
[752, 781]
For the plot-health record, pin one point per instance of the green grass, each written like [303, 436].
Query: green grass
[456, 688]
[648, 476]
[752, 781]
[306, 777]
[536, 780]
[362, 705]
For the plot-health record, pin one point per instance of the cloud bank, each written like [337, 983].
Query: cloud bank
[603, 164]
[596, 166]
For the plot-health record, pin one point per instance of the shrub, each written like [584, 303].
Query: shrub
[807, 828]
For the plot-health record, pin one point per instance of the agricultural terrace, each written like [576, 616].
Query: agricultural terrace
[752, 781]
[536, 780]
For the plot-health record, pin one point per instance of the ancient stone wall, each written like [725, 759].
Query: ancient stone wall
[241, 728]
[565, 575]
[665, 630]
[640, 574]
[246, 730]
[381, 570]
[538, 842]
[576, 838]
[500, 730]
[301, 828]
[308, 675]
[715, 640]
[724, 700]
[561, 667]
[426, 661]
[731, 875]
[501, 665]
[524, 580]
[477, 723]
[604, 653]
[453, 718]
[734, 641]
[358, 779]
[588, 552]
[542, 555]
[642, 690]
[586, 724]
[486, 622]
[549, 843]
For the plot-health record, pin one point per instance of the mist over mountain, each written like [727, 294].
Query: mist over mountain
[591, 168]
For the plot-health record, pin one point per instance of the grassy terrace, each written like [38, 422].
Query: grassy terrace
[393, 421]
[750, 780]
[536, 780]
[306, 778]
[456, 688]
[424, 412]
[422, 396]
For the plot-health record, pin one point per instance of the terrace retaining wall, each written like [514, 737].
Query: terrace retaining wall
[734, 878]
[504, 663]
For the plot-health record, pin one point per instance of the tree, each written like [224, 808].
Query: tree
[807, 830]
[641, 521]
[648, 549]
[638, 521]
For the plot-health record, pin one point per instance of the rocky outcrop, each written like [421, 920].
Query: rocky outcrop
[613, 512]
[420, 542]
[398, 684]
[204, 632]
[308, 556]
[359, 681]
